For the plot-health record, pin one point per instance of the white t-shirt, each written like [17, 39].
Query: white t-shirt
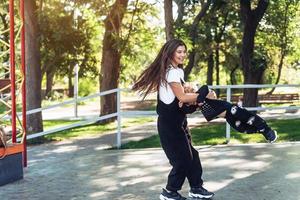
[166, 94]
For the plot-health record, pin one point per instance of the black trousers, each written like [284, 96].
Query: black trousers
[240, 119]
[182, 156]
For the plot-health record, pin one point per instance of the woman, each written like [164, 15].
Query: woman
[165, 76]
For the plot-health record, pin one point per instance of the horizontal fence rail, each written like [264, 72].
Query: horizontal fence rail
[81, 123]
[73, 101]
[119, 114]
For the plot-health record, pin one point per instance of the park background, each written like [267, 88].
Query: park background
[109, 43]
[71, 152]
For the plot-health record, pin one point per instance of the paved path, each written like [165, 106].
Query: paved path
[79, 169]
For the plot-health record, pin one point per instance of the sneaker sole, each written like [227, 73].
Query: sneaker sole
[162, 197]
[200, 196]
[276, 136]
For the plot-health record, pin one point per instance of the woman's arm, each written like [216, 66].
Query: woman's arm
[178, 91]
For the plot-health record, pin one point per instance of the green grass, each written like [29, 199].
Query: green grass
[4, 109]
[288, 130]
[56, 123]
[83, 131]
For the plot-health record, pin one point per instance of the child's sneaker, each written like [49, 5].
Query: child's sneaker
[200, 192]
[271, 136]
[170, 195]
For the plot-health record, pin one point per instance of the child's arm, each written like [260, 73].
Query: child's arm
[187, 89]
[192, 107]
[188, 108]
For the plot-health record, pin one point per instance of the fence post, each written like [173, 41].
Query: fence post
[119, 118]
[228, 98]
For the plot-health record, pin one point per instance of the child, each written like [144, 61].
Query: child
[238, 118]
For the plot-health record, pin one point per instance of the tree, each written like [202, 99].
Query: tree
[142, 40]
[252, 68]
[168, 7]
[193, 36]
[216, 21]
[33, 67]
[219, 32]
[75, 44]
[280, 19]
[111, 56]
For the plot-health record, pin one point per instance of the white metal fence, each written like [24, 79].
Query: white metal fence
[119, 114]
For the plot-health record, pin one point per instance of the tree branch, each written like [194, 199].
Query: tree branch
[131, 25]
[245, 9]
[219, 36]
[197, 19]
[260, 10]
[180, 12]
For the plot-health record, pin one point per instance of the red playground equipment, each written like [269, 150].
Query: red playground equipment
[13, 156]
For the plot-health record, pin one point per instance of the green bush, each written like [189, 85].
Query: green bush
[87, 86]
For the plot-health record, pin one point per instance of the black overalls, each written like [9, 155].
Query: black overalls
[176, 143]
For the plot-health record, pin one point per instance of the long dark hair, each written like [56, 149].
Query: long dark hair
[155, 74]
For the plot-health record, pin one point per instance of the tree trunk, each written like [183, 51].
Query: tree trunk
[111, 55]
[33, 69]
[217, 69]
[168, 8]
[210, 69]
[218, 37]
[250, 19]
[49, 83]
[193, 37]
[233, 80]
[70, 83]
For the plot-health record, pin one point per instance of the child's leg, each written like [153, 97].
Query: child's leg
[239, 118]
[244, 121]
[240, 126]
[247, 118]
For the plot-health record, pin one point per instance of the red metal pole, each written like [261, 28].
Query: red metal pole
[12, 69]
[24, 81]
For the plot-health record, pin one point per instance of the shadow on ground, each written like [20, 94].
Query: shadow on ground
[80, 169]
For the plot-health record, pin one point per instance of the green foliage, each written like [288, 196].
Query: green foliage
[142, 40]
[55, 95]
[87, 86]
[277, 35]
[69, 38]
[270, 38]
[4, 37]
[259, 60]
[72, 32]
